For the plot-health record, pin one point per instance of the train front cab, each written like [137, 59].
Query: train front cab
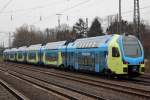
[125, 56]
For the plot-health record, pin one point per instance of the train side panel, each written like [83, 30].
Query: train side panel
[92, 59]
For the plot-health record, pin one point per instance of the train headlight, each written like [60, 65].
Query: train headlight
[125, 62]
[142, 62]
[125, 69]
[142, 69]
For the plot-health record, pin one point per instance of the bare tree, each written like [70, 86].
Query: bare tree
[27, 35]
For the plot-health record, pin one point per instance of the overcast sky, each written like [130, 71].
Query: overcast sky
[29, 12]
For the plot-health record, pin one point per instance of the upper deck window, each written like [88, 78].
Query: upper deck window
[131, 47]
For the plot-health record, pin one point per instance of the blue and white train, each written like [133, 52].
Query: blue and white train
[108, 54]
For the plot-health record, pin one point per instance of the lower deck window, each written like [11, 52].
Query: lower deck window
[86, 60]
[12, 55]
[20, 56]
[51, 56]
[32, 55]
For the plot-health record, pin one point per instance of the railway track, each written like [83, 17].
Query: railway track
[138, 81]
[13, 91]
[145, 76]
[72, 94]
[143, 80]
[93, 82]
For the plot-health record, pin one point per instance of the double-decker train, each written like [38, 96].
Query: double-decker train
[108, 54]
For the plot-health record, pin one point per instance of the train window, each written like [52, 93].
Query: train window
[86, 60]
[20, 55]
[131, 47]
[115, 52]
[70, 54]
[52, 56]
[11, 55]
[32, 55]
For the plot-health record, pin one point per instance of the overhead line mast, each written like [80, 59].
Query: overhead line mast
[136, 19]
[120, 20]
[59, 14]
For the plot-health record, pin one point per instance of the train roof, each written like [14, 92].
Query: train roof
[43, 47]
[34, 47]
[13, 49]
[55, 45]
[23, 48]
[6, 50]
[92, 42]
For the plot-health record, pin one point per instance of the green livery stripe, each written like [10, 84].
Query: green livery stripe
[59, 58]
[22, 59]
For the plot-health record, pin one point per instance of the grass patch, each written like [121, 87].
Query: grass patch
[1, 58]
[147, 66]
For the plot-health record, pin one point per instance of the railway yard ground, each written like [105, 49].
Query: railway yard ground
[30, 82]
[147, 65]
[5, 94]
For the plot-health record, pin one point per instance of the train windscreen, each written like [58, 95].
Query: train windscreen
[131, 47]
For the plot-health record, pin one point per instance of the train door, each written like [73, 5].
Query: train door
[25, 56]
[65, 57]
[70, 59]
[103, 56]
[115, 55]
[15, 56]
[40, 56]
[114, 60]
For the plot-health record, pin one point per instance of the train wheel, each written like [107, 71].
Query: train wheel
[61, 66]
[71, 68]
